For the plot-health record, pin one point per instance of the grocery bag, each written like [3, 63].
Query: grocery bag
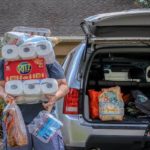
[93, 101]
[111, 105]
[142, 101]
[15, 126]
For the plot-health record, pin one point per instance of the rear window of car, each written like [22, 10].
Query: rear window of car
[67, 61]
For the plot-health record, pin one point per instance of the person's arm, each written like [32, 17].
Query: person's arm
[63, 88]
[55, 71]
[62, 91]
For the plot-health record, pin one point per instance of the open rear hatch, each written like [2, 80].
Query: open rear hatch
[133, 23]
[118, 54]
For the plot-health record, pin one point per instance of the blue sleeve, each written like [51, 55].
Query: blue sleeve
[1, 69]
[55, 71]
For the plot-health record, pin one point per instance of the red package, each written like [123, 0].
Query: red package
[25, 69]
[94, 103]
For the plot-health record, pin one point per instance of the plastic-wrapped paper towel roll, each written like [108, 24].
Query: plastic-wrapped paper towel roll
[30, 99]
[14, 87]
[36, 38]
[20, 99]
[49, 86]
[27, 51]
[45, 49]
[43, 98]
[10, 52]
[15, 38]
[31, 87]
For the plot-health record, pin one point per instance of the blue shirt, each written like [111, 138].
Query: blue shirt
[29, 111]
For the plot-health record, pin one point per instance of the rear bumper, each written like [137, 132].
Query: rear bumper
[116, 142]
[77, 135]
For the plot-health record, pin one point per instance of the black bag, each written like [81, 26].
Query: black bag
[142, 102]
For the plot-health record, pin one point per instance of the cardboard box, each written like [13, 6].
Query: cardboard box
[25, 69]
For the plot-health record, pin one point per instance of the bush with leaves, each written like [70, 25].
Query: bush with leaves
[145, 3]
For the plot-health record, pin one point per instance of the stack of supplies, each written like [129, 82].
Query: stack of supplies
[26, 60]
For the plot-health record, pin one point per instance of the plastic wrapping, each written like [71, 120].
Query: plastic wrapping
[15, 126]
[1, 137]
[44, 126]
[2, 105]
[15, 38]
[111, 104]
[25, 69]
[31, 91]
[33, 31]
[43, 48]
[94, 109]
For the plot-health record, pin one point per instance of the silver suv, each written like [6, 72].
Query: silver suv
[122, 40]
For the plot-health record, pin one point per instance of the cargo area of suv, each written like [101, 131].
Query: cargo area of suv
[117, 58]
[132, 65]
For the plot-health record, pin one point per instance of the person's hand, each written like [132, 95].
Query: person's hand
[51, 102]
[8, 98]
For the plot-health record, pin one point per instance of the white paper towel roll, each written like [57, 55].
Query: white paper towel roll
[31, 87]
[14, 87]
[27, 51]
[10, 52]
[45, 49]
[49, 86]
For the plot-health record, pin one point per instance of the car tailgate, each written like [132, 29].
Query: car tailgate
[132, 23]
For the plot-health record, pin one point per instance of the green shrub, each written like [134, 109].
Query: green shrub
[145, 3]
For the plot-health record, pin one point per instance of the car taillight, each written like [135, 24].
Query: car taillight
[71, 102]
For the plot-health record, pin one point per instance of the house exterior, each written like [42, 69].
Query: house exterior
[63, 17]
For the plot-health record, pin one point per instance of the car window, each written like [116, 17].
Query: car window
[67, 61]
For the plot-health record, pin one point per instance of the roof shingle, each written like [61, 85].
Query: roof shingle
[63, 17]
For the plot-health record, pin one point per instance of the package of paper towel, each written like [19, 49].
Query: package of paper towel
[37, 47]
[17, 45]
[22, 47]
[31, 91]
[15, 38]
